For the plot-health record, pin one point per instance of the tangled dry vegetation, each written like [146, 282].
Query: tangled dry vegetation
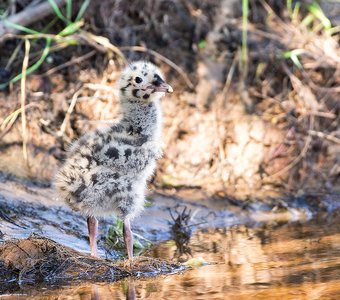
[264, 128]
[40, 260]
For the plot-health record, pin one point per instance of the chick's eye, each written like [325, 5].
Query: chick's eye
[138, 79]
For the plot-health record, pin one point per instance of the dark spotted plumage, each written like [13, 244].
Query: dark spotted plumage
[112, 153]
[127, 153]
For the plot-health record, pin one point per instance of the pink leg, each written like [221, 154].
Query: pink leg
[92, 225]
[128, 238]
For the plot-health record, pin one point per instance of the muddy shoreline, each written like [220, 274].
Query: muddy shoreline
[31, 212]
[28, 208]
[295, 260]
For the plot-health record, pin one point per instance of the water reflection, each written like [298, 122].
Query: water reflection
[291, 261]
[94, 292]
[131, 291]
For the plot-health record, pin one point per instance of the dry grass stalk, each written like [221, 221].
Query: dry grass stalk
[69, 112]
[77, 60]
[100, 43]
[23, 100]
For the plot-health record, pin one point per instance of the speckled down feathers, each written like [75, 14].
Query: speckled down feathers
[107, 170]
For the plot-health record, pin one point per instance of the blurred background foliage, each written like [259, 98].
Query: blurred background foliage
[255, 113]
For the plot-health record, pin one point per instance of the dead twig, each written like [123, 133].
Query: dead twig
[328, 137]
[181, 231]
[14, 55]
[10, 120]
[102, 44]
[69, 112]
[77, 60]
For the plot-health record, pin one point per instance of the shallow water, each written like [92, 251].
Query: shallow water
[296, 260]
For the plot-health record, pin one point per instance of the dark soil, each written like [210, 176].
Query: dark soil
[268, 129]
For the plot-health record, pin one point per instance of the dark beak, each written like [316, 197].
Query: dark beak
[163, 87]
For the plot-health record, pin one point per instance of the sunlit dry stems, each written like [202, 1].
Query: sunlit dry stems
[301, 155]
[13, 56]
[69, 112]
[70, 63]
[7, 124]
[328, 137]
[23, 99]
[94, 40]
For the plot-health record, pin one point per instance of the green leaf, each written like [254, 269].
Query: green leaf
[148, 203]
[202, 44]
[70, 29]
[82, 10]
[296, 61]
[244, 48]
[289, 7]
[296, 11]
[119, 226]
[293, 55]
[69, 9]
[33, 67]
[20, 27]
[70, 42]
[308, 20]
[316, 11]
[57, 11]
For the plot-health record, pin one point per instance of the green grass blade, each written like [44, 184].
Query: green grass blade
[289, 7]
[37, 64]
[68, 42]
[293, 56]
[308, 20]
[296, 61]
[70, 28]
[317, 12]
[202, 44]
[119, 226]
[82, 10]
[245, 11]
[69, 9]
[296, 11]
[49, 25]
[57, 11]
[20, 27]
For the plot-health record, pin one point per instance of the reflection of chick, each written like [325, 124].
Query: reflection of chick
[106, 170]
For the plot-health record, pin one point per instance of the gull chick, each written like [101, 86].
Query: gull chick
[106, 171]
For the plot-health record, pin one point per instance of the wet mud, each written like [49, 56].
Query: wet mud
[294, 260]
[246, 252]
